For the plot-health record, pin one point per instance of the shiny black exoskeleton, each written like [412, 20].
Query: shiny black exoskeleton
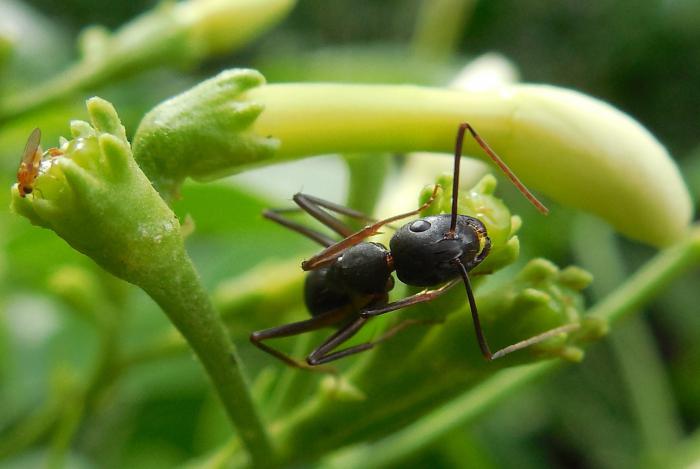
[349, 280]
[362, 272]
[424, 252]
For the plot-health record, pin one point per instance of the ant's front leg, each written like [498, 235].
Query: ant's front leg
[422, 297]
[481, 338]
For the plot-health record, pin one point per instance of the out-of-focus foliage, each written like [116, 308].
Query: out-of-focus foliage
[632, 402]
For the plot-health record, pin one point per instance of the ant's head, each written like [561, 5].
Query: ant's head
[424, 251]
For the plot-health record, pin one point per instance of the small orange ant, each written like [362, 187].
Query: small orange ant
[30, 164]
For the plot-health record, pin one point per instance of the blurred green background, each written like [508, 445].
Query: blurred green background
[634, 402]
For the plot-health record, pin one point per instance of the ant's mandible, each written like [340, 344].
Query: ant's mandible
[349, 280]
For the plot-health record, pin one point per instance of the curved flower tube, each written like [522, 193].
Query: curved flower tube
[577, 150]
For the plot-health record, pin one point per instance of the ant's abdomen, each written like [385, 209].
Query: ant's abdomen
[322, 294]
[424, 254]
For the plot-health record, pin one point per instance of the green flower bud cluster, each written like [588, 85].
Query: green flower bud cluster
[540, 297]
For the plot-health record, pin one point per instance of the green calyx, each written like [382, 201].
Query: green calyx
[203, 133]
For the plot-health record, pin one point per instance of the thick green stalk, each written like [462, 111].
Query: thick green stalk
[187, 304]
[366, 182]
[643, 286]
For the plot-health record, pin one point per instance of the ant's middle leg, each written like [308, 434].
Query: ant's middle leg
[481, 338]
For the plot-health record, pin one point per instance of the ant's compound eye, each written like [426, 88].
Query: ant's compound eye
[419, 226]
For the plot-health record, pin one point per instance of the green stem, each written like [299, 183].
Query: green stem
[403, 444]
[651, 279]
[643, 286]
[640, 364]
[366, 173]
[187, 304]
[438, 27]
[174, 34]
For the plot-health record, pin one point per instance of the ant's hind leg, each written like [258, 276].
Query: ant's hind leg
[320, 238]
[318, 322]
[315, 206]
[323, 353]
[318, 208]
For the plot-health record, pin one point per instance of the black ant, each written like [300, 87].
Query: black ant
[349, 281]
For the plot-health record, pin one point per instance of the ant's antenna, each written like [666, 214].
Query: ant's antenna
[496, 159]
